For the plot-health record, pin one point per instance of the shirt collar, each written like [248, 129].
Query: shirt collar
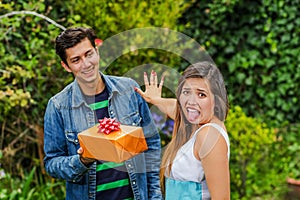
[78, 96]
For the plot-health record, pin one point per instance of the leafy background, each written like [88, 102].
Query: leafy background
[254, 43]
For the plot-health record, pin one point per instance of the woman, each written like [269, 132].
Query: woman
[195, 164]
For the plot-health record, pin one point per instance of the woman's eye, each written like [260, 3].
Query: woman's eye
[202, 95]
[185, 92]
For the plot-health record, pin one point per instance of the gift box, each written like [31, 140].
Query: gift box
[117, 146]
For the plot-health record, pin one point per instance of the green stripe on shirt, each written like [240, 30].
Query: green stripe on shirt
[115, 184]
[99, 105]
[108, 165]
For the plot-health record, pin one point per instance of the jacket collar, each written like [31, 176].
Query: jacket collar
[78, 96]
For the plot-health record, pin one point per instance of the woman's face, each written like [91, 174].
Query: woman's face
[197, 101]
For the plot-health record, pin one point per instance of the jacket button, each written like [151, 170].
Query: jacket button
[133, 182]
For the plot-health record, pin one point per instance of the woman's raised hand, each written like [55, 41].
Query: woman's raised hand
[153, 90]
[152, 95]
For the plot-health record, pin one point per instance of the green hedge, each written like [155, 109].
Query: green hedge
[255, 168]
[30, 186]
[256, 46]
[115, 17]
[30, 74]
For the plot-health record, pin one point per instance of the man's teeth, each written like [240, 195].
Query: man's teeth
[86, 72]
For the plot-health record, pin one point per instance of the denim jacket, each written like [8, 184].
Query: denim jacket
[68, 114]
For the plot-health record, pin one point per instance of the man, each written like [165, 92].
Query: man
[90, 97]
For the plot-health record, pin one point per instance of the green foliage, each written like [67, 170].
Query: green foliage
[10, 93]
[256, 46]
[252, 158]
[29, 76]
[114, 17]
[29, 188]
[289, 149]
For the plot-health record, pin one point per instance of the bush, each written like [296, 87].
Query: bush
[115, 17]
[254, 166]
[289, 148]
[256, 46]
[30, 75]
[257, 51]
[30, 187]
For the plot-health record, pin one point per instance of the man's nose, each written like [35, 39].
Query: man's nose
[85, 62]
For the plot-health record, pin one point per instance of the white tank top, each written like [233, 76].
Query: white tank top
[186, 167]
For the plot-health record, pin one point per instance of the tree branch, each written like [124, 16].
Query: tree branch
[26, 12]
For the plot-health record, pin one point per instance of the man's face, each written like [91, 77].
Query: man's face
[83, 62]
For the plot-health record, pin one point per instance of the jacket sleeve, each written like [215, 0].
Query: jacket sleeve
[58, 162]
[152, 155]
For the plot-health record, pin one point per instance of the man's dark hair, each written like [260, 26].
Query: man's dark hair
[71, 37]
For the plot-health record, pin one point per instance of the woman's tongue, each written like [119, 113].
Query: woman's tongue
[192, 114]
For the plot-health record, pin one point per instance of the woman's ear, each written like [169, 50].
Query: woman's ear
[67, 68]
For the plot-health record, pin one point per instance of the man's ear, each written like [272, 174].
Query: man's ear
[67, 68]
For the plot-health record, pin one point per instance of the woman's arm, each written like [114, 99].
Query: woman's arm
[152, 95]
[211, 148]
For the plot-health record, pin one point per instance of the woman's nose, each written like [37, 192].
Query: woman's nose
[190, 102]
[192, 99]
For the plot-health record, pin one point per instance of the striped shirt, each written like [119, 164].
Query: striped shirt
[112, 178]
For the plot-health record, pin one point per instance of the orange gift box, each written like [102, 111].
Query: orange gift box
[116, 146]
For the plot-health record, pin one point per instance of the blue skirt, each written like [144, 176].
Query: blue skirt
[185, 190]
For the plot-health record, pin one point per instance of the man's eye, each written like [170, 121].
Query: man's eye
[75, 60]
[90, 54]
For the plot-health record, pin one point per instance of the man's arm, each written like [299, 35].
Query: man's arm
[58, 162]
[153, 154]
[152, 157]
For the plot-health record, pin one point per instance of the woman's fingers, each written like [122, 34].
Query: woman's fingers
[146, 81]
[153, 84]
[138, 90]
[152, 78]
[155, 78]
[162, 81]
[152, 89]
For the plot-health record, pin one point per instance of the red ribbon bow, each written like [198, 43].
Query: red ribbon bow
[107, 125]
